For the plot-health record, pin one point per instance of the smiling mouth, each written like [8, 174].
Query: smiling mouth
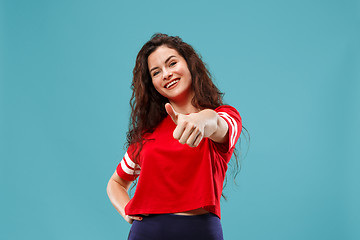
[172, 83]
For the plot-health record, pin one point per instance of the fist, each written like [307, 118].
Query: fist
[189, 128]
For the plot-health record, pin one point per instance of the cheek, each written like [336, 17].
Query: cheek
[184, 70]
[156, 84]
[187, 72]
[188, 75]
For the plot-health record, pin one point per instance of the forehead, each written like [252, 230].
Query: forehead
[160, 55]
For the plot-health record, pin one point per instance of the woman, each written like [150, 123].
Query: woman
[180, 141]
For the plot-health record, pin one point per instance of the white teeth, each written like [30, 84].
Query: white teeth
[172, 83]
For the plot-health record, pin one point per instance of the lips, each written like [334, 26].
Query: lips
[172, 83]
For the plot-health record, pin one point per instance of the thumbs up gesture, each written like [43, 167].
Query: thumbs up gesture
[190, 128]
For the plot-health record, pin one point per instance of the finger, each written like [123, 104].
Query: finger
[198, 139]
[178, 132]
[129, 220]
[192, 138]
[136, 218]
[188, 132]
[170, 110]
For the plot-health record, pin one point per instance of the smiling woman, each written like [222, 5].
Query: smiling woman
[180, 142]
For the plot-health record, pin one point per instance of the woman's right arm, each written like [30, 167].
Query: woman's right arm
[117, 190]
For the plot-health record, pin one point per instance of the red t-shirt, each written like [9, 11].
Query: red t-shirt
[174, 177]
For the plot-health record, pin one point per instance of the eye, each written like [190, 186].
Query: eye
[155, 73]
[172, 64]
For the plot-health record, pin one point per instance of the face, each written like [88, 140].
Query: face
[170, 74]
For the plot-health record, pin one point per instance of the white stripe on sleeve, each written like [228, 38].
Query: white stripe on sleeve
[127, 169]
[234, 127]
[130, 162]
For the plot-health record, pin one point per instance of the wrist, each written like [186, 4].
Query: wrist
[211, 119]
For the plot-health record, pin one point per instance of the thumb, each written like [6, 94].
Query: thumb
[170, 110]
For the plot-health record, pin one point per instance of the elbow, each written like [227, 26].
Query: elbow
[108, 188]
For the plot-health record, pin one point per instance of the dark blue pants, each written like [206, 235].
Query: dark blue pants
[176, 227]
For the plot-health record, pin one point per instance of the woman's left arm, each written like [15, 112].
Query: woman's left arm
[192, 128]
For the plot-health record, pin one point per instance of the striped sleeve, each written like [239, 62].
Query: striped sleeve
[233, 119]
[127, 169]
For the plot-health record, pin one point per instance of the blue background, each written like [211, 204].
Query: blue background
[291, 68]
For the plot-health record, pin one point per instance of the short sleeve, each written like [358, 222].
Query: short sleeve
[127, 169]
[233, 119]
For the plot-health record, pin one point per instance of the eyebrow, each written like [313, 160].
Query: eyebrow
[165, 62]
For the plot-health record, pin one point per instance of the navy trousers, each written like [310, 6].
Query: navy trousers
[176, 227]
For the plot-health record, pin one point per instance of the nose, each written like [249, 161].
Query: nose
[167, 74]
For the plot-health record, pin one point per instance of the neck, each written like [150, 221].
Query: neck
[185, 106]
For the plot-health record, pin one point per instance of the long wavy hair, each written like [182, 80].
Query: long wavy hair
[148, 106]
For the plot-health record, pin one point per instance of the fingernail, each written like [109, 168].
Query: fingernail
[141, 218]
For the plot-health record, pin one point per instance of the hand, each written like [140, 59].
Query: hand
[190, 128]
[131, 218]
